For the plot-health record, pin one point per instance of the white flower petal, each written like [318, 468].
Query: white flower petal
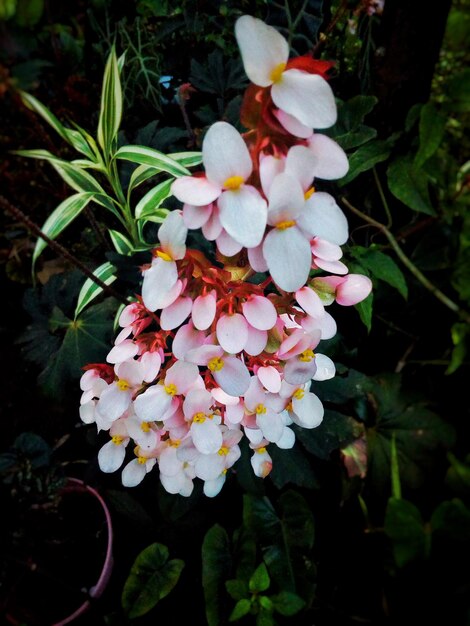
[289, 257]
[158, 282]
[325, 367]
[323, 218]
[232, 333]
[195, 190]
[300, 163]
[225, 154]
[111, 456]
[286, 199]
[172, 235]
[331, 160]
[234, 377]
[292, 125]
[256, 259]
[206, 436]
[196, 216]
[226, 245]
[243, 214]
[308, 411]
[133, 473]
[260, 312]
[174, 315]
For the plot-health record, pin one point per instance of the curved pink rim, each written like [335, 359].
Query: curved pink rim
[96, 590]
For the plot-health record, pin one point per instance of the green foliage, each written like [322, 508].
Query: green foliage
[216, 566]
[152, 578]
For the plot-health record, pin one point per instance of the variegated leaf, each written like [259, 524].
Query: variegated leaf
[90, 290]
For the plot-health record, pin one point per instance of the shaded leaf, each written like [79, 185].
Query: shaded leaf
[111, 104]
[364, 309]
[260, 580]
[237, 589]
[241, 609]
[216, 567]
[409, 185]
[365, 158]
[287, 603]
[382, 266]
[335, 430]
[404, 527]
[91, 290]
[431, 131]
[291, 466]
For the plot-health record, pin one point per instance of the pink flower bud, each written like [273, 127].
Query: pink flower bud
[353, 289]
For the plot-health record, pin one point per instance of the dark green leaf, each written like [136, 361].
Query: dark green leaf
[151, 578]
[34, 448]
[458, 474]
[241, 609]
[431, 131]
[344, 386]
[410, 185]
[382, 266]
[291, 466]
[458, 90]
[450, 523]
[365, 158]
[216, 567]
[130, 508]
[356, 138]
[335, 430]
[237, 589]
[404, 527]
[364, 309]
[287, 603]
[264, 618]
[260, 580]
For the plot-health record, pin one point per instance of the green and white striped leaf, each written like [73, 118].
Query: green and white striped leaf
[188, 159]
[153, 199]
[32, 103]
[79, 142]
[121, 243]
[120, 62]
[154, 215]
[111, 104]
[60, 218]
[90, 290]
[140, 175]
[154, 158]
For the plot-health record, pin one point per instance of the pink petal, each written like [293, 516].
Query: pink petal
[336, 267]
[203, 354]
[226, 245]
[260, 312]
[234, 377]
[331, 160]
[326, 325]
[326, 250]
[270, 378]
[187, 338]
[195, 190]
[232, 332]
[123, 351]
[256, 342]
[175, 314]
[203, 312]
[196, 216]
[256, 259]
[197, 401]
[292, 125]
[182, 375]
[151, 363]
[353, 289]
[212, 228]
[310, 301]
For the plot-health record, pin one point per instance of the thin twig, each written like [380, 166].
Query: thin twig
[383, 198]
[450, 304]
[57, 247]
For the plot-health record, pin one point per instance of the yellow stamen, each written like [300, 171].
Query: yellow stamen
[171, 389]
[174, 443]
[117, 440]
[224, 471]
[309, 193]
[145, 427]
[123, 385]
[223, 451]
[215, 364]
[285, 224]
[299, 394]
[260, 450]
[164, 255]
[289, 407]
[199, 418]
[260, 409]
[142, 460]
[306, 356]
[233, 183]
[276, 74]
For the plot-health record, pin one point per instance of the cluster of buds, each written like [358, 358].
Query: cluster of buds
[208, 353]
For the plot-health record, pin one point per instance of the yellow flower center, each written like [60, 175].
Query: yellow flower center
[216, 364]
[123, 385]
[164, 255]
[117, 440]
[142, 460]
[260, 409]
[223, 451]
[289, 407]
[309, 193]
[174, 443]
[260, 450]
[299, 394]
[276, 73]
[199, 418]
[285, 224]
[234, 182]
[306, 356]
[145, 427]
[171, 389]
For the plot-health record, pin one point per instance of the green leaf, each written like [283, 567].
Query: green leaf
[80, 144]
[365, 158]
[216, 567]
[237, 589]
[335, 430]
[431, 131]
[458, 474]
[154, 158]
[264, 617]
[60, 218]
[458, 91]
[29, 12]
[111, 104]
[450, 523]
[395, 469]
[140, 175]
[151, 578]
[291, 466]
[382, 267]
[121, 243]
[260, 580]
[91, 290]
[153, 199]
[364, 309]
[34, 448]
[287, 603]
[409, 185]
[356, 138]
[241, 609]
[404, 527]
[187, 159]
[33, 103]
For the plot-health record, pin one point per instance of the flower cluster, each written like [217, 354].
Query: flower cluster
[208, 353]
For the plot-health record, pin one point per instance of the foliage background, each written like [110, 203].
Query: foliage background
[375, 501]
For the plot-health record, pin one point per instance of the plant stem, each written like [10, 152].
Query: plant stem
[383, 198]
[57, 247]
[450, 304]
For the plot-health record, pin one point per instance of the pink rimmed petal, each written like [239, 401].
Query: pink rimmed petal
[152, 405]
[187, 338]
[159, 282]
[335, 267]
[269, 378]
[195, 190]
[129, 314]
[353, 289]
[196, 216]
[206, 436]
[292, 125]
[232, 333]
[261, 463]
[308, 411]
[255, 395]
[134, 472]
[87, 412]
[271, 425]
[114, 402]
[203, 354]
[234, 413]
[111, 456]
[183, 375]
[123, 351]
[269, 167]
[197, 401]
[172, 235]
[225, 154]
[226, 245]
[331, 160]
[295, 343]
[326, 325]
[323, 218]
[243, 214]
[151, 363]
[131, 371]
[326, 250]
[325, 367]
[310, 301]
[260, 312]
[169, 463]
[256, 259]
[297, 372]
[262, 49]
[209, 466]
[124, 334]
[287, 440]
[234, 377]
[300, 163]
[224, 398]
[203, 312]
[175, 314]
[286, 199]
[308, 97]
[256, 342]
[289, 257]
[212, 228]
